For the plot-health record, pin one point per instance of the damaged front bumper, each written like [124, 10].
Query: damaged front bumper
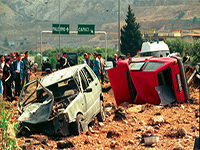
[38, 113]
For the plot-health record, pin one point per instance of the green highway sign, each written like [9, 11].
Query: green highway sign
[64, 28]
[86, 29]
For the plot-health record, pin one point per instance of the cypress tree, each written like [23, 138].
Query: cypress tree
[131, 38]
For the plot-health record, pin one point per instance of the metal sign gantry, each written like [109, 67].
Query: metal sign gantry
[72, 32]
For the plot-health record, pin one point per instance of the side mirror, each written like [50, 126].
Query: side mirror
[88, 90]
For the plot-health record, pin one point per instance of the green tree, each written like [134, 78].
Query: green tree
[179, 45]
[181, 14]
[131, 39]
[196, 51]
[53, 62]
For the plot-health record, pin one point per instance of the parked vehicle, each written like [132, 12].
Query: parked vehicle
[149, 80]
[154, 49]
[109, 65]
[63, 102]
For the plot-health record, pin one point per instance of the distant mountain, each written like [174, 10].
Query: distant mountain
[18, 18]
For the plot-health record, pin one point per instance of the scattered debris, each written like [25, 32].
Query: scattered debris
[131, 142]
[151, 140]
[182, 132]
[65, 144]
[148, 131]
[112, 134]
[26, 146]
[157, 120]
[120, 114]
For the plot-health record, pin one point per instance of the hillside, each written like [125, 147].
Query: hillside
[18, 18]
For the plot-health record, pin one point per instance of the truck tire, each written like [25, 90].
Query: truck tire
[101, 115]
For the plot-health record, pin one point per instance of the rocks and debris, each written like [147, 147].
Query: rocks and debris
[157, 120]
[148, 131]
[146, 107]
[120, 114]
[113, 144]
[131, 132]
[182, 132]
[41, 138]
[65, 144]
[124, 104]
[151, 140]
[26, 146]
[112, 134]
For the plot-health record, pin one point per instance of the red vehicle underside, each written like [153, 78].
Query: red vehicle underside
[149, 80]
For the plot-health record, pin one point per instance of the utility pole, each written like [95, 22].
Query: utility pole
[119, 47]
[59, 25]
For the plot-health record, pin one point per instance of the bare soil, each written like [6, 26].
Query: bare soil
[126, 126]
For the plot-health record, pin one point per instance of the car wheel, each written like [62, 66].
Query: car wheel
[78, 125]
[101, 115]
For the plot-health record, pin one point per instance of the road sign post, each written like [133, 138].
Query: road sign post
[86, 29]
[64, 28]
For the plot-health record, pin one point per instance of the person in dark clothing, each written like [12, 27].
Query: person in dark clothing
[7, 75]
[48, 67]
[186, 58]
[114, 60]
[26, 72]
[12, 70]
[43, 68]
[18, 73]
[89, 61]
[71, 63]
[63, 61]
[58, 65]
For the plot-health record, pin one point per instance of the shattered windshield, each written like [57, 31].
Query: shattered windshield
[136, 65]
[152, 66]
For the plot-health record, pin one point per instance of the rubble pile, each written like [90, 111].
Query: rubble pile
[129, 126]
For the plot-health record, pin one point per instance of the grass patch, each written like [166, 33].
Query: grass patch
[6, 141]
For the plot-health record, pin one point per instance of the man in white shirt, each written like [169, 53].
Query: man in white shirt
[102, 67]
[18, 66]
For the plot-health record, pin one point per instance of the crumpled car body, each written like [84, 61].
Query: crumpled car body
[51, 105]
[149, 80]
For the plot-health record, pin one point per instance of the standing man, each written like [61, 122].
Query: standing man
[102, 67]
[186, 58]
[71, 62]
[96, 67]
[26, 72]
[18, 66]
[114, 60]
[128, 55]
[48, 67]
[7, 79]
[1, 73]
[63, 61]
[84, 59]
[89, 61]
[43, 68]
[12, 69]
[35, 67]
[58, 65]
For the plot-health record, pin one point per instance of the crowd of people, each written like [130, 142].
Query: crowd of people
[14, 73]
[15, 70]
[98, 66]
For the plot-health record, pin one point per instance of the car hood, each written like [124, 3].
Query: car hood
[37, 112]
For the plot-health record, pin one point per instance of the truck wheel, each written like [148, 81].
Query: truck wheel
[78, 125]
[101, 115]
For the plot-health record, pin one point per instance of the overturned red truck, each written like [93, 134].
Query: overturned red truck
[149, 80]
